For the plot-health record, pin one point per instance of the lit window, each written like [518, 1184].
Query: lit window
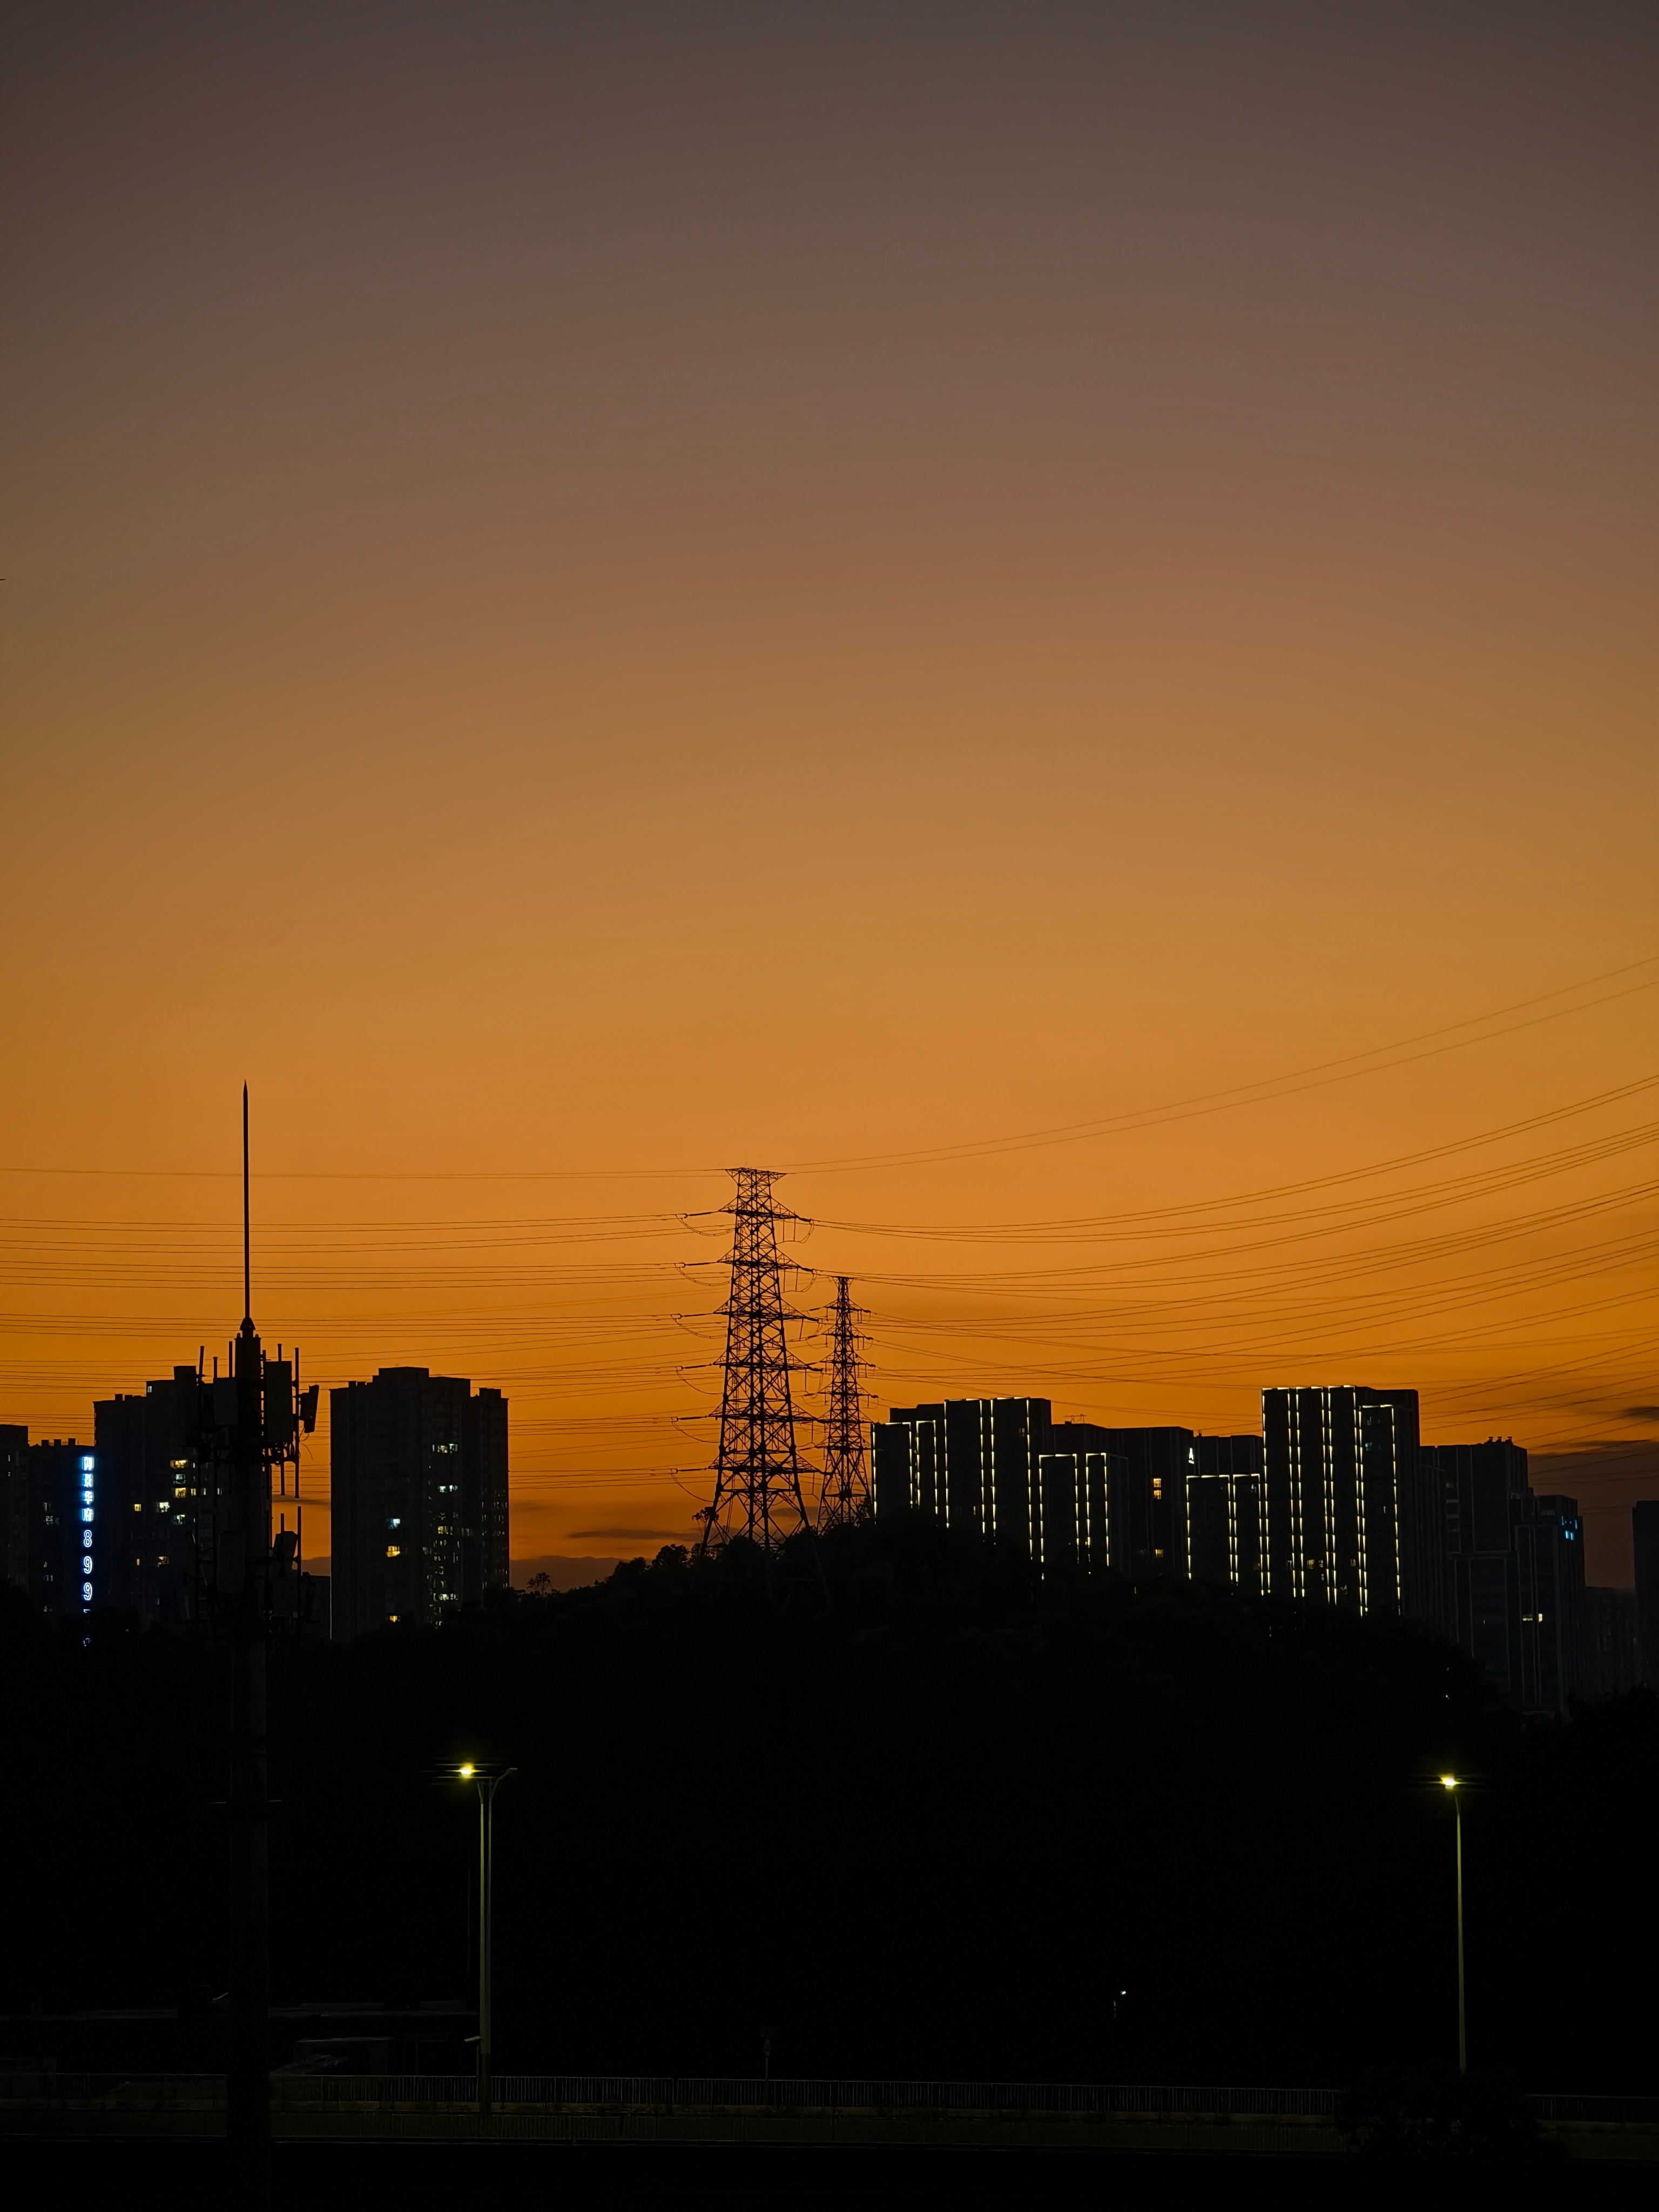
[137, 1507]
[394, 1551]
[161, 1505]
[394, 1522]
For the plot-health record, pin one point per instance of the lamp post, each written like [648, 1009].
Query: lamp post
[1450, 1783]
[490, 1780]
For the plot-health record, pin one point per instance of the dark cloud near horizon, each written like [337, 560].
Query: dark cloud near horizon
[1604, 1451]
[628, 1535]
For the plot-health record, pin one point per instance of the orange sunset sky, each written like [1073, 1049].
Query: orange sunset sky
[597, 592]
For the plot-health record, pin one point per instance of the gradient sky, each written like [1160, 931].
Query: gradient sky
[595, 593]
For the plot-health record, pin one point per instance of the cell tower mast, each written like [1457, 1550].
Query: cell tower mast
[844, 1489]
[248, 1444]
[242, 1578]
[757, 1492]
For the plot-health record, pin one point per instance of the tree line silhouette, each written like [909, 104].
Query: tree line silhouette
[886, 1794]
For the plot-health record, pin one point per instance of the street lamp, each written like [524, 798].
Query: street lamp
[490, 1780]
[1451, 1783]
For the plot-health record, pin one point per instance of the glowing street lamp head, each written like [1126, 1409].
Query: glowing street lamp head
[468, 1771]
[1449, 1781]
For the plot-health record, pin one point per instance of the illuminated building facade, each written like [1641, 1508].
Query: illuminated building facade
[1224, 1529]
[1146, 1495]
[972, 1462]
[55, 1504]
[1351, 1516]
[419, 1488]
[907, 1462]
[1337, 1502]
[1003, 1467]
[1074, 1489]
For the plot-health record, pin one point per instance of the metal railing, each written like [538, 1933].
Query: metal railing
[643, 2094]
[1048, 2099]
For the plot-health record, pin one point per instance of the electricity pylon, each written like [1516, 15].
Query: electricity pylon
[844, 1488]
[757, 1475]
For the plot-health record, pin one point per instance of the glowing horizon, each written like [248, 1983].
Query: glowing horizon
[592, 591]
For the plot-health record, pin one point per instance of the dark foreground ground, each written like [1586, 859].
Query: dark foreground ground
[370, 2175]
[915, 1816]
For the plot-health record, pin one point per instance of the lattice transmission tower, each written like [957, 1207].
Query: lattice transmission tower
[757, 1492]
[844, 1487]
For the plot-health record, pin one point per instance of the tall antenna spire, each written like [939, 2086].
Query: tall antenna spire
[247, 1269]
[757, 1474]
[244, 1598]
[844, 1488]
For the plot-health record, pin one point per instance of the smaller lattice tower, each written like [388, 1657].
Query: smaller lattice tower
[757, 1492]
[844, 1489]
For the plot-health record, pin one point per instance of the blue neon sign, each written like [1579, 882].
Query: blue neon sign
[89, 1514]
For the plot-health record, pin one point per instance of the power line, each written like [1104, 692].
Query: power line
[1268, 1087]
[1249, 1094]
[1141, 1225]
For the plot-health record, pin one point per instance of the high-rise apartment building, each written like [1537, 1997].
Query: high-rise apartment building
[1003, 1467]
[1224, 1512]
[419, 1490]
[972, 1462]
[15, 1503]
[1609, 1643]
[1146, 1497]
[1515, 1572]
[1076, 1488]
[1485, 1489]
[146, 1452]
[58, 1541]
[907, 1462]
[1337, 1502]
[1550, 1541]
[1350, 1519]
